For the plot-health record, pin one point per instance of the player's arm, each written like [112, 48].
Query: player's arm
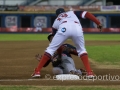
[55, 26]
[60, 50]
[67, 47]
[74, 52]
[54, 30]
[56, 60]
[86, 14]
[71, 49]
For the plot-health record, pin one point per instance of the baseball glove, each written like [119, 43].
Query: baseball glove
[38, 57]
[100, 27]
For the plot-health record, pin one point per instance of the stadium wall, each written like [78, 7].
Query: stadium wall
[19, 19]
[28, 16]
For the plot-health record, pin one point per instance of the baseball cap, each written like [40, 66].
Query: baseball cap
[59, 10]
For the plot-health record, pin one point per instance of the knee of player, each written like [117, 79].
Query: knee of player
[81, 53]
[57, 70]
[50, 51]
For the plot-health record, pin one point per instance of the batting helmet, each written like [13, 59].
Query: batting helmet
[50, 35]
[59, 10]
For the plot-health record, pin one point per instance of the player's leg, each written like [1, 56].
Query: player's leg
[57, 41]
[68, 65]
[78, 71]
[67, 68]
[42, 62]
[82, 53]
[57, 70]
[71, 61]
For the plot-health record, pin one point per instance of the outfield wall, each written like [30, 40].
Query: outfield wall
[25, 20]
[26, 17]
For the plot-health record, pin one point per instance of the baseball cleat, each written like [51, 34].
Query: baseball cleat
[90, 75]
[36, 74]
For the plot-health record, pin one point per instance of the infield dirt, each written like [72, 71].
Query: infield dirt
[17, 63]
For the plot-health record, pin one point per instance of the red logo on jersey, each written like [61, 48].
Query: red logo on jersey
[59, 19]
[62, 15]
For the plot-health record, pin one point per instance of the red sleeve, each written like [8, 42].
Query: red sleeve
[78, 13]
[74, 52]
[60, 49]
[92, 18]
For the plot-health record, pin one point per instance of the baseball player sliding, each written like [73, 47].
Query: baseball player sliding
[65, 64]
[67, 25]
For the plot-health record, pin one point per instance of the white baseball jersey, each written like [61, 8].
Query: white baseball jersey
[67, 16]
[68, 26]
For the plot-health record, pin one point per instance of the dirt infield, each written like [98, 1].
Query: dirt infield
[17, 63]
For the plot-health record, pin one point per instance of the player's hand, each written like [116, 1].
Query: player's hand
[38, 57]
[56, 62]
[100, 27]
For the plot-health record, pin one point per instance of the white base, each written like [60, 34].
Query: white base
[67, 77]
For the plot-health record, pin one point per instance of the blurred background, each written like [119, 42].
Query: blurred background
[60, 2]
[23, 15]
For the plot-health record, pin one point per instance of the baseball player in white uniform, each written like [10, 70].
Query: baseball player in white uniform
[38, 27]
[67, 25]
[64, 65]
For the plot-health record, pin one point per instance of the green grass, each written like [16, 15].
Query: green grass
[102, 37]
[30, 37]
[22, 37]
[16, 88]
[57, 88]
[105, 54]
[98, 53]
